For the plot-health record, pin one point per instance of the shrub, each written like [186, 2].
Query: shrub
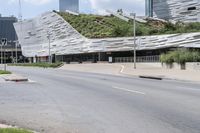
[180, 56]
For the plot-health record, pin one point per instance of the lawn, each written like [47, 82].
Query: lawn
[4, 72]
[13, 130]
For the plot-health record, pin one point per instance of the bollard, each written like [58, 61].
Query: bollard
[5, 67]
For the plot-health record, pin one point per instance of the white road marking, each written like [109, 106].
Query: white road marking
[122, 68]
[132, 91]
[31, 81]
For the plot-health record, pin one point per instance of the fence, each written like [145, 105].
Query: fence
[155, 58]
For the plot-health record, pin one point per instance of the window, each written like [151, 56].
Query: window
[191, 8]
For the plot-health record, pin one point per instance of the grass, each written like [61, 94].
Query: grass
[96, 26]
[4, 72]
[45, 65]
[13, 130]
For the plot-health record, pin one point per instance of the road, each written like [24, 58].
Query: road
[57, 101]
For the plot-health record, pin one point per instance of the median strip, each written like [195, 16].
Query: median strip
[15, 78]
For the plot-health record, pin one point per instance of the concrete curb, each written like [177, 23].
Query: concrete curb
[15, 78]
[150, 77]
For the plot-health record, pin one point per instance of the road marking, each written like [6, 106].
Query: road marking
[122, 68]
[132, 91]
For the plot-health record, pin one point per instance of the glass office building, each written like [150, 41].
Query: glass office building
[70, 5]
[149, 8]
[7, 29]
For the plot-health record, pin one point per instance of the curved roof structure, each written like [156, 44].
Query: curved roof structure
[65, 40]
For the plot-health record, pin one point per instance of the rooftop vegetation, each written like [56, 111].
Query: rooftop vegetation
[96, 26]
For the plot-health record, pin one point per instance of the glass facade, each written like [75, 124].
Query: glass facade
[7, 30]
[71, 5]
[149, 8]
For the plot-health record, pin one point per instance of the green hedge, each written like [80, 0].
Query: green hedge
[45, 65]
[180, 56]
[4, 72]
[13, 130]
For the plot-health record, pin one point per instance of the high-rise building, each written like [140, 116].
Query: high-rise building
[7, 29]
[177, 10]
[69, 5]
[149, 8]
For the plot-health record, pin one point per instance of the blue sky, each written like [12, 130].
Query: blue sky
[31, 8]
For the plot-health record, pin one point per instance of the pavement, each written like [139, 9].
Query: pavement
[65, 101]
[153, 70]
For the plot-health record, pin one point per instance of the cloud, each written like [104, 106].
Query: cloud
[127, 5]
[34, 2]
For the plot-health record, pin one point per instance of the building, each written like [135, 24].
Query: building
[7, 31]
[177, 10]
[67, 44]
[69, 5]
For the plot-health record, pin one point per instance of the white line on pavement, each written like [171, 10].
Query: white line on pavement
[132, 91]
[122, 68]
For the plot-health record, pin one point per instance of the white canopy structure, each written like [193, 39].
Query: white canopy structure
[65, 40]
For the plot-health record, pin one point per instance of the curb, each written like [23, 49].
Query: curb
[15, 78]
[151, 77]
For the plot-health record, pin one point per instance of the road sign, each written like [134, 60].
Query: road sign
[4, 41]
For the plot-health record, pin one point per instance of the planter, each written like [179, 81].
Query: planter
[183, 66]
[186, 66]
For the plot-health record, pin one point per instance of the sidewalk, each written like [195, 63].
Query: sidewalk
[156, 71]
[103, 68]
[143, 69]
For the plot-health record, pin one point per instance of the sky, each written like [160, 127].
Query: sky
[32, 8]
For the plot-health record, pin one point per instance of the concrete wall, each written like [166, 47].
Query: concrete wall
[188, 66]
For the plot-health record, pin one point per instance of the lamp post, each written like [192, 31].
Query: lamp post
[134, 34]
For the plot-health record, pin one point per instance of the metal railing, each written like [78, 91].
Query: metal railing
[155, 58]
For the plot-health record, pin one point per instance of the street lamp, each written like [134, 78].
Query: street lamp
[134, 34]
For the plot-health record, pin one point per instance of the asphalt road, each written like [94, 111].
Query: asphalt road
[58, 101]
